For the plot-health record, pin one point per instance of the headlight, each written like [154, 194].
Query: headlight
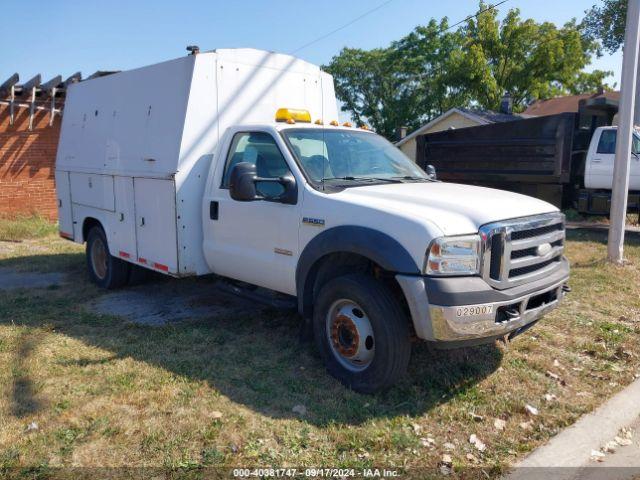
[454, 256]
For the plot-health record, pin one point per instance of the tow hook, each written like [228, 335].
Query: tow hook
[512, 313]
[566, 288]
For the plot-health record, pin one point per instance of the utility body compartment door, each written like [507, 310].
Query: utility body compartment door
[65, 213]
[92, 190]
[155, 208]
[123, 227]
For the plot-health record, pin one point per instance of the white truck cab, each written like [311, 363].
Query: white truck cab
[231, 163]
[601, 156]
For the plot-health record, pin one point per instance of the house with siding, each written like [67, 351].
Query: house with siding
[456, 118]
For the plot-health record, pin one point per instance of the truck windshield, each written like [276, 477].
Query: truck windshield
[349, 157]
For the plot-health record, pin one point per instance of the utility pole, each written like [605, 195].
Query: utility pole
[620, 187]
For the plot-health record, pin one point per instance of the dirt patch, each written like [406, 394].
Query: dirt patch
[11, 279]
[170, 302]
[10, 247]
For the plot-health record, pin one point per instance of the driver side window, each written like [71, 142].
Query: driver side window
[261, 150]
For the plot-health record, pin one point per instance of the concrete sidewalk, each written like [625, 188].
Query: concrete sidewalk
[569, 455]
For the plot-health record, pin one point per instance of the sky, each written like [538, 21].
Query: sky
[72, 35]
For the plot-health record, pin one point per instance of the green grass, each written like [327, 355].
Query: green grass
[219, 391]
[572, 215]
[25, 228]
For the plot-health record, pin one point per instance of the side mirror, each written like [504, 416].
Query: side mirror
[431, 172]
[242, 185]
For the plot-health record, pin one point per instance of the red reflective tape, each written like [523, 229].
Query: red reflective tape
[159, 266]
[125, 255]
[66, 235]
[142, 260]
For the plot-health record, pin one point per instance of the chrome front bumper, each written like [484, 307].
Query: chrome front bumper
[462, 323]
[487, 318]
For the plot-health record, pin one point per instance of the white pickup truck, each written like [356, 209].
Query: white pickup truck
[231, 163]
[601, 155]
[595, 197]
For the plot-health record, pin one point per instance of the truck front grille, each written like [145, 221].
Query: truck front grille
[522, 250]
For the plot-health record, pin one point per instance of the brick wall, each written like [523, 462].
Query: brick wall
[27, 161]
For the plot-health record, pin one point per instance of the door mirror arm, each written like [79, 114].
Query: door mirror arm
[290, 194]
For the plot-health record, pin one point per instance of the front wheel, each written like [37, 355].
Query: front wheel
[105, 270]
[362, 333]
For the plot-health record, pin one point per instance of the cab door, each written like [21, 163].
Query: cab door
[601, 161]
[255, 242]
[601, 158]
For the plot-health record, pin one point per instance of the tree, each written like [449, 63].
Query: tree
[404, 84]
[527, 59]
[434, 68]
[607, 23]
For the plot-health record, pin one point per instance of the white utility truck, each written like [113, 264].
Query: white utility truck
[231, 163]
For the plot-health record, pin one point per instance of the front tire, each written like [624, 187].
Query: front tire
[362, 333]
[105, 270]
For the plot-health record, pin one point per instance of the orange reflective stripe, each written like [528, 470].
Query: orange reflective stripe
[159, 266]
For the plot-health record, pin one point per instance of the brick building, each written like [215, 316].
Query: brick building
[30, 118]
[27, 160]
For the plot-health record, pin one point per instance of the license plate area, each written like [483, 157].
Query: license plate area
[474, 311]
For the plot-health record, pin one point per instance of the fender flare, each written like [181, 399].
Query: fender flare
[367, 242]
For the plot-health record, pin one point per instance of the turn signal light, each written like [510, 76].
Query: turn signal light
[297, 115]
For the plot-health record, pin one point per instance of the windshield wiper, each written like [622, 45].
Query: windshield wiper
[410, 177]
[365, 179]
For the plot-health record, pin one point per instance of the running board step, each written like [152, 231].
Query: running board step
[260, 295]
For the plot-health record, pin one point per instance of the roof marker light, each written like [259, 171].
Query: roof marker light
[347, 124]
[297, 115]
[364, 127]
[319, 122]
[334, 123]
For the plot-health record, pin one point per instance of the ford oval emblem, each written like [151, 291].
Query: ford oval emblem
[543, 249]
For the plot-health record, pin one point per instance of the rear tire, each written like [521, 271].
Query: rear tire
[362, 333]
[105, 270]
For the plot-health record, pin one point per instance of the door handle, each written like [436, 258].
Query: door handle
[142, 221]
[213, 210]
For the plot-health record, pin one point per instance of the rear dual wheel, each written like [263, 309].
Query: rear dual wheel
[105, 270]
[362, 333]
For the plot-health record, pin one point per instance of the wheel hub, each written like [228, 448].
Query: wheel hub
[99, 259]
[350, 335]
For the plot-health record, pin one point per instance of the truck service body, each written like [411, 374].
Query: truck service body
[210, 164]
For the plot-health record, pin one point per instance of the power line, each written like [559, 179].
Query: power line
[368, 12]
[490, 7]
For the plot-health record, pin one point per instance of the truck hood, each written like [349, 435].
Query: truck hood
[453, 208]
